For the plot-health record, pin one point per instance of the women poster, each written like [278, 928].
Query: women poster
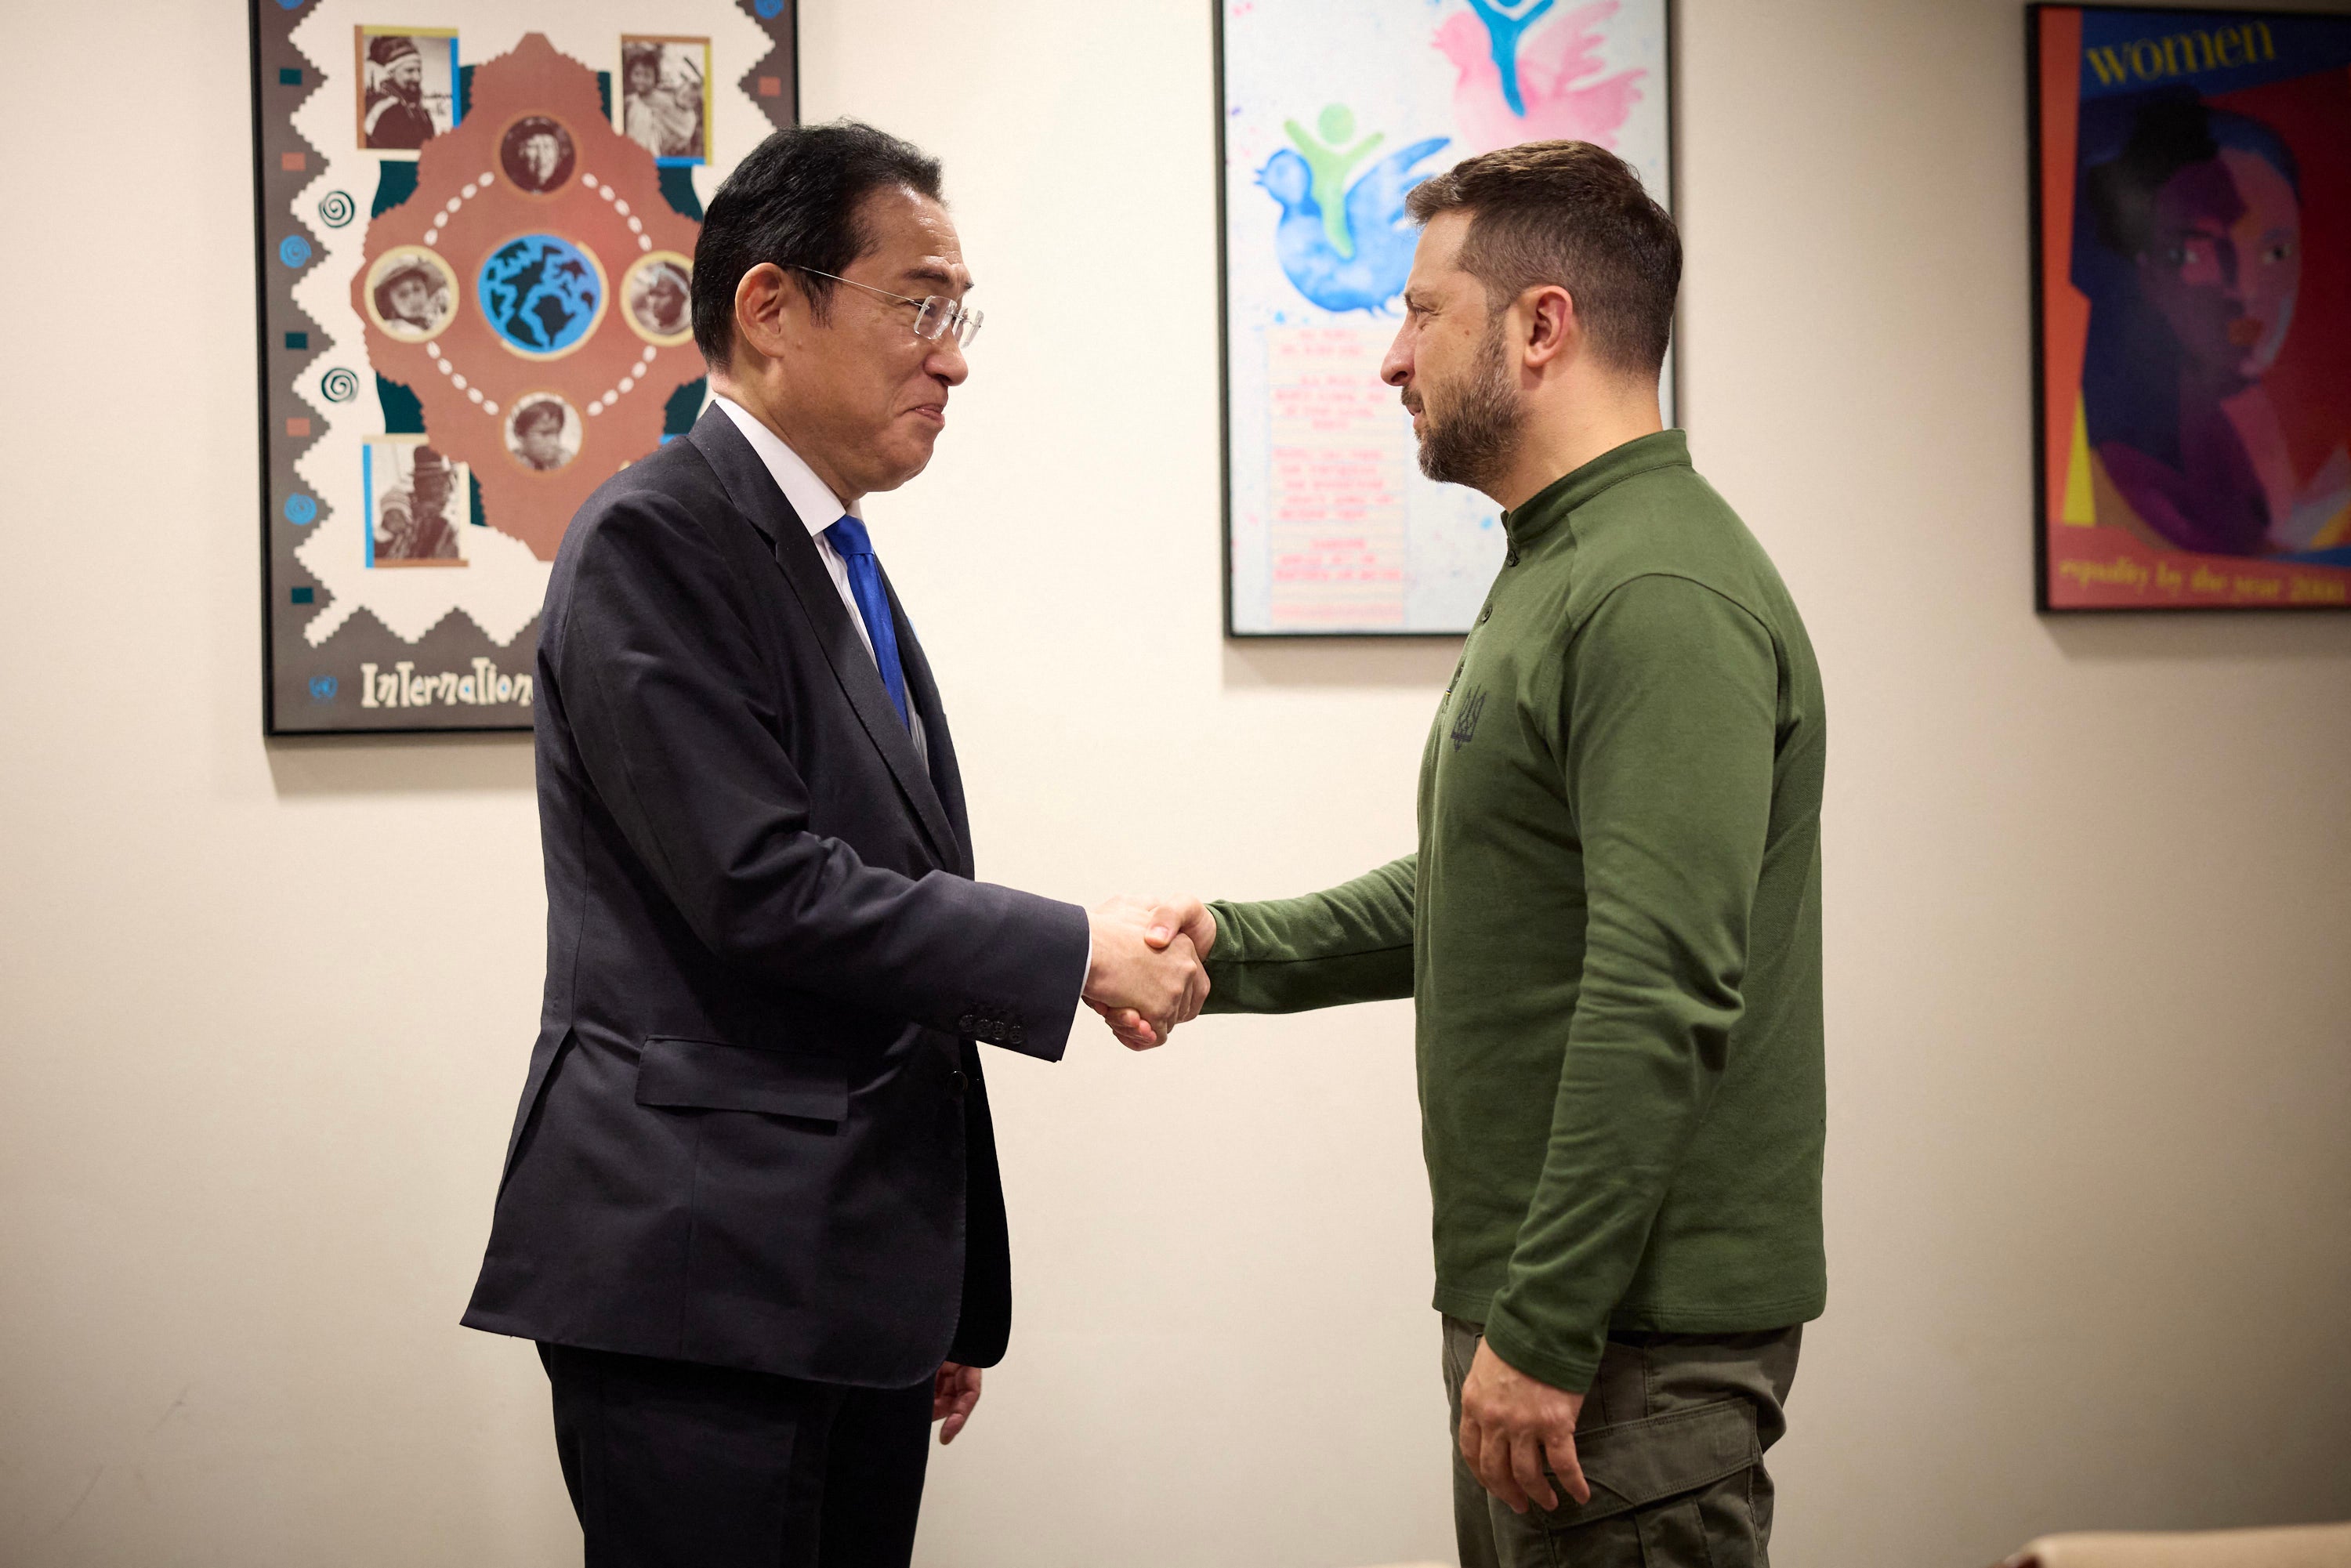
[477, 243]
[2193, 236]
[1331, 111]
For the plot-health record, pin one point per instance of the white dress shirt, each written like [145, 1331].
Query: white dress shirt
[818, 508]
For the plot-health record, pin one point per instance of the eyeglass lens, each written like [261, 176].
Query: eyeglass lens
[941, 316]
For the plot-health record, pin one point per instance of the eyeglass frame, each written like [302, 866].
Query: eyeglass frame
[953, 312]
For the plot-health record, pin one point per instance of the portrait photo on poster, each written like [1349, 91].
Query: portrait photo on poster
[2192, 268]
[664, 105]
[411, 294]
[417, 501]
[407, 84]
[657, 296]
[544, 432]
[536, 154]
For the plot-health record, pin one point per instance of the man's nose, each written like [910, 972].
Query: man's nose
[1397, 368]
[945, 360]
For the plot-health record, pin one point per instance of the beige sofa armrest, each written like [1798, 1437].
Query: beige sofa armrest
[2298, 1546]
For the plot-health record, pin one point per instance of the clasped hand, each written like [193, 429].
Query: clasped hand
[1146, 975]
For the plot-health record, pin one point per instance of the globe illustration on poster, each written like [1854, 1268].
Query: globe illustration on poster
[541, 294]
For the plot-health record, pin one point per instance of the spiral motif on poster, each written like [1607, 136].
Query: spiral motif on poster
[335, 208]
[339, 385]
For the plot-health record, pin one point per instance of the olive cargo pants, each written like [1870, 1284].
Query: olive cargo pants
[1671, 1440]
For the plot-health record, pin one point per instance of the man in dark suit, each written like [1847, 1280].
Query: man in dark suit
[750, 1210]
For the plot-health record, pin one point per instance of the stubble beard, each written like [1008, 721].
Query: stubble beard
[1474, 444]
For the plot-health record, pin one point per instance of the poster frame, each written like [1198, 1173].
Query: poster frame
[778, 17]
[2038, 367]
[1219, 110]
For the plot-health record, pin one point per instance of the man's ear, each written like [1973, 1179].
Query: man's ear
[1553, 330]
[765, 302]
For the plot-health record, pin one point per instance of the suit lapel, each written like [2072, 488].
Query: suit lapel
[756, 494]
[923, 691]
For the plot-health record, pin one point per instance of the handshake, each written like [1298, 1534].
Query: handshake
[1148, 975]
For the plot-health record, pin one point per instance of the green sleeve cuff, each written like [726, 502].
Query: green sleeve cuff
[1568, 1368]
[1351, 942]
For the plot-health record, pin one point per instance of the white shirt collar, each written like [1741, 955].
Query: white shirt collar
[811, 497]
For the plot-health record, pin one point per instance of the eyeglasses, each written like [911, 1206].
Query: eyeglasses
[936, 314]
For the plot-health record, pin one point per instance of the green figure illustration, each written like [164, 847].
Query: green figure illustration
[1331, 165]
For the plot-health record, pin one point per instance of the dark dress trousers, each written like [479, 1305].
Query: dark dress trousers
[754, 1133]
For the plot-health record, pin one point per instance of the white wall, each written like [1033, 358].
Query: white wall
[264, 1010]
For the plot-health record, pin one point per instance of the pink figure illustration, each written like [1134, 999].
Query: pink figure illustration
[1551, 63]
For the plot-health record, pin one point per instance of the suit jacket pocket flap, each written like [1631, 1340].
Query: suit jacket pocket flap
[1633, 1464]
[710, 1075]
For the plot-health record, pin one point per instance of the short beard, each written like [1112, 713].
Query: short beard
[1474, 443]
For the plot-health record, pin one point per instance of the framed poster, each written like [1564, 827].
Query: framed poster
[1328, 112]
[474, 244]
[2192, 300]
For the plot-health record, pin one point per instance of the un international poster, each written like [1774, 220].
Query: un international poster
[2192, 261]
[475, 239]
[1330, 110]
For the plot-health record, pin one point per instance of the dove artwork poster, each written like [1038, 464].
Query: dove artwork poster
[2193, 268]
[476, 243]
[1331, 112]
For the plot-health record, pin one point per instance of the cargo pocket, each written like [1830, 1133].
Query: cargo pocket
[1674, 1488]
[711, 1075]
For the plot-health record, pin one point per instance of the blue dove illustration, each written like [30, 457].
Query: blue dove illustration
[1375, 218]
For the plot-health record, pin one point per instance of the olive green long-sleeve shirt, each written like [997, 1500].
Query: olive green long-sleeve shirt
[1611, 932]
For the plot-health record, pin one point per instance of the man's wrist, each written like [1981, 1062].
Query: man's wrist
[1547, 1364]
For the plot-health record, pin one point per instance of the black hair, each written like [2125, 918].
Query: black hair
[794, 202]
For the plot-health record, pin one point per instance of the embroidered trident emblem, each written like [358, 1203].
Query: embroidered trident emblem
[1465, 717]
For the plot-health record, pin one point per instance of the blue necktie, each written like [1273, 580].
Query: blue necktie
[855, 547]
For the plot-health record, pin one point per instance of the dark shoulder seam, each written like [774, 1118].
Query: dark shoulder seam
[717, 481]
[670, 505]
[1577, 630]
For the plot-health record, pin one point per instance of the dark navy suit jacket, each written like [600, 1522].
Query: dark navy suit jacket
[754, 1132]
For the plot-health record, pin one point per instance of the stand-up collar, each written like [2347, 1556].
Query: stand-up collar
[1666, 449]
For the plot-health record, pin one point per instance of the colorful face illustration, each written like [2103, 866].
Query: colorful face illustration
[2223, 266]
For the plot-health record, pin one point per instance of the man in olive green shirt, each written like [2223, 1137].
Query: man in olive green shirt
[1612, 930]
